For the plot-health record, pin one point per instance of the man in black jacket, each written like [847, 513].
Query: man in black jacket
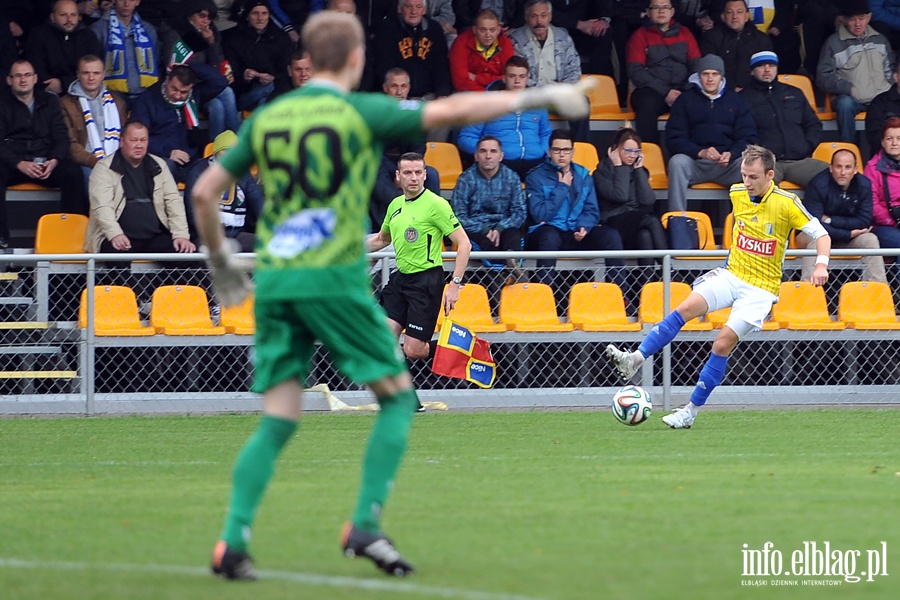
[786, 123]
[415, 44]
[55, 47]
[588, 22]
[884, 105]
[259, 53]
[842, 201]
[735, 39]
[34, 144]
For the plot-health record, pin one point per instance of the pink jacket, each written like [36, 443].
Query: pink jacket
[875, 173]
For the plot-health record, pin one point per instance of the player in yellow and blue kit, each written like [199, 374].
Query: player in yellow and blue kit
[764, 216]
[318, 149]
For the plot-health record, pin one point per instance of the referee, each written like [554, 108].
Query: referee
[417, 223]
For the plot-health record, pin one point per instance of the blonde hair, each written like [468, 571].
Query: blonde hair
[329, 37]
[755, 153]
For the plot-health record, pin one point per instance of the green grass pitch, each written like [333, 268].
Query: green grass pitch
[488, 506]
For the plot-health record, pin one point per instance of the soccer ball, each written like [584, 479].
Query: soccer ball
[631, 405]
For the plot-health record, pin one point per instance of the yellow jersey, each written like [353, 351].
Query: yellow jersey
[761, 233]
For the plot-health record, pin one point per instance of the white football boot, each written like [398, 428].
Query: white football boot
[624, 362]
[681, 418]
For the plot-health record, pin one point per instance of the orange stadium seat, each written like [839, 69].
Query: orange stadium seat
[806, 86]
[719, 317]
[586, 155]
[115, 312]
[444, 157]
[239, 319]
[651, 309]
[473, 310]
[599, 307]
[30, 187]
[654, 163]
[182, 310]
[801, 306]
[605, 100]
[60, 233]
[530, 307]
[825, 150]
[867, 305]
[726, 231]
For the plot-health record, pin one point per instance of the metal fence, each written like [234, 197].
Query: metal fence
[93, 334]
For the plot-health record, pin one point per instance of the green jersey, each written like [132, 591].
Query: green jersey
[318, 150]
[418, 228]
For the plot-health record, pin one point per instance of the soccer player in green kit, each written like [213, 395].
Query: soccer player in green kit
[318, 149]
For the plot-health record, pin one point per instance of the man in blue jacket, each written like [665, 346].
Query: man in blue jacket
[523, 134]
[841, 198]
[169, 109]
[563, 212]
[709, 128]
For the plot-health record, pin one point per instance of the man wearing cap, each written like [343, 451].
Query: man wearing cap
[786, 124]
[735, 38]
[240, 204]
[709, 128]
[854, 66]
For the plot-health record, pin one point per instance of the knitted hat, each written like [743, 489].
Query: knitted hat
[766, 57]
[241, 8]
[192, 7]
[711, 62]
[851, 8]
[225, 140]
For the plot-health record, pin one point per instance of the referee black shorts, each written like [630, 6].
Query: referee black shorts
[414, 300]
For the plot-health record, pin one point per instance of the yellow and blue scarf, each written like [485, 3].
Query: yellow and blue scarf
[116, 69]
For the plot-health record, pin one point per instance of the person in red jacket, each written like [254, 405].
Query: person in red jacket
[478, 55]
[659, 57]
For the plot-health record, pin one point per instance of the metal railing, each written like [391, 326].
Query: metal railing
[50, 363]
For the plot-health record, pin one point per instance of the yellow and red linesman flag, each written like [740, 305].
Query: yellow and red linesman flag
[462, 355]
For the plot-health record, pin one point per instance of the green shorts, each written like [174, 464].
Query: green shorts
[353, 329]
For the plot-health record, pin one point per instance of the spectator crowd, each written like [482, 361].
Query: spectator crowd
[172, 77]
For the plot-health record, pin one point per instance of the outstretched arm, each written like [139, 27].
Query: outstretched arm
[568, 100]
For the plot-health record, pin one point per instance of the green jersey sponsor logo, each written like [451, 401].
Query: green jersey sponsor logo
[304, 231]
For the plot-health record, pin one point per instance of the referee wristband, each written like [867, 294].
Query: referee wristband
[822, 259]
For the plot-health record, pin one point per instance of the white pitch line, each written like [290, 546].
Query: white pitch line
[388, 585]
[430, 460]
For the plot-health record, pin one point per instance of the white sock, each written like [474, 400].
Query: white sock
[693, 408]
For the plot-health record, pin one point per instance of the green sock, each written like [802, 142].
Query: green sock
[385, 451]
[252, 471]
